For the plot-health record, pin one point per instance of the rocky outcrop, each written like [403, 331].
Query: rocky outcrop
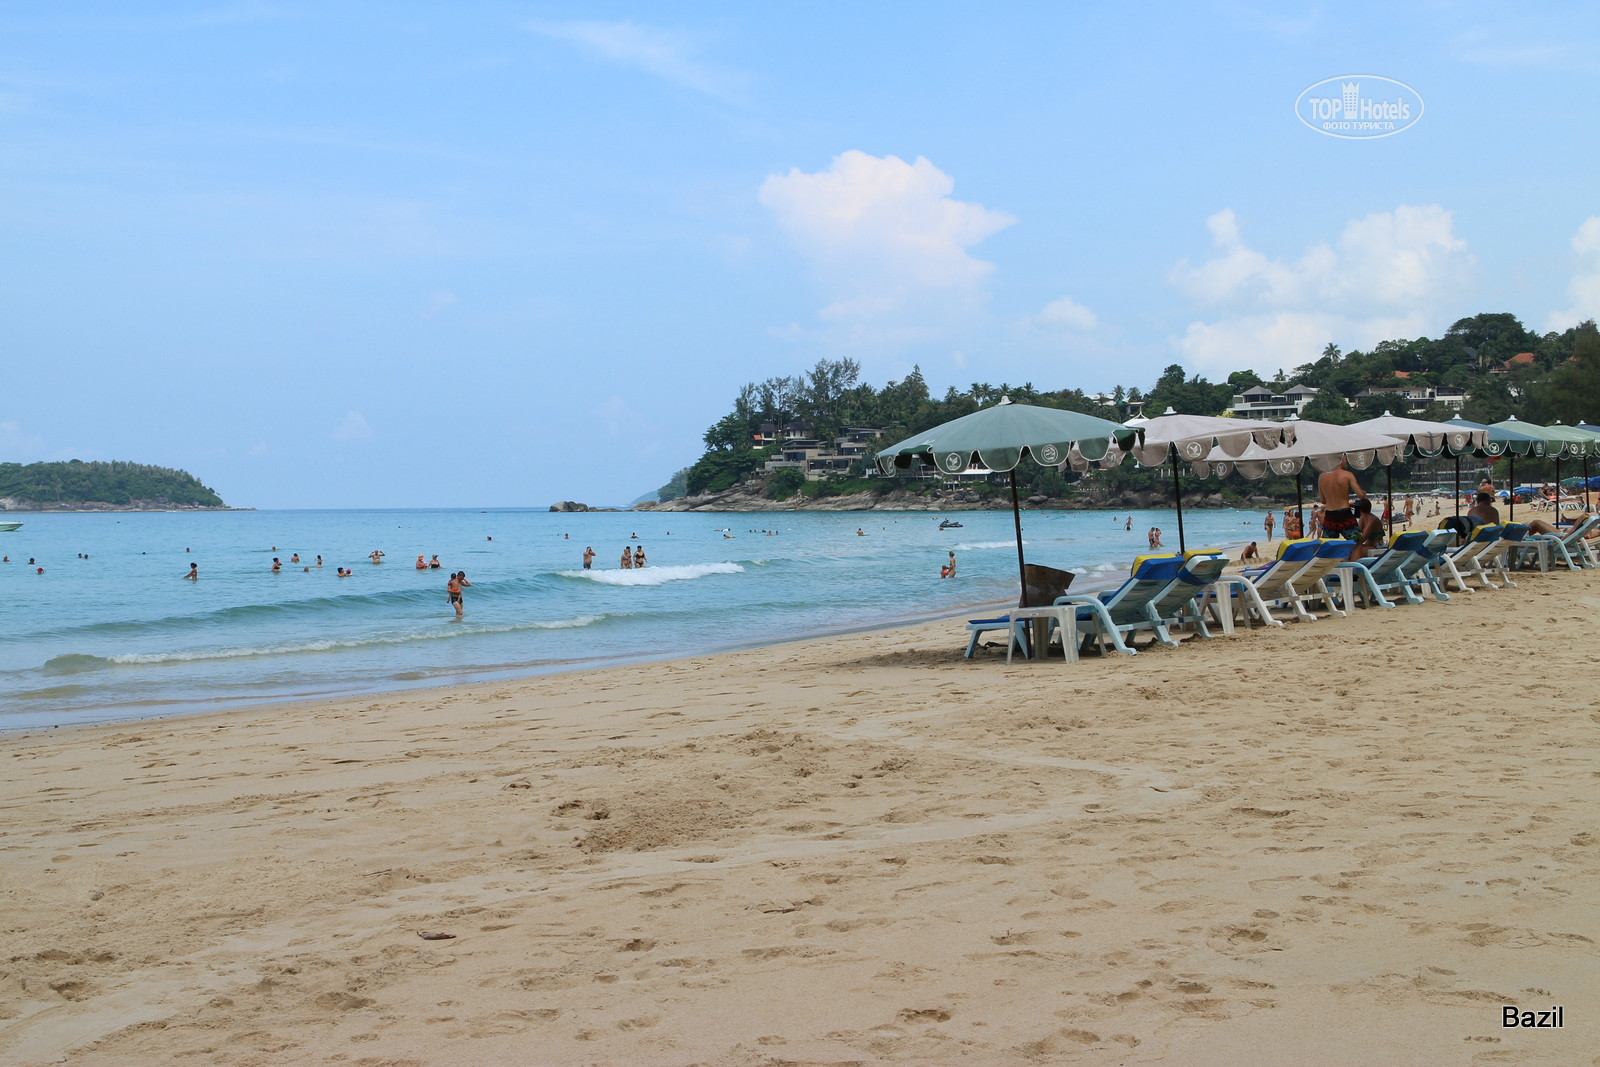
[569, 505]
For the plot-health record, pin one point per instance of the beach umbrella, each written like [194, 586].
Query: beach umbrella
[1323, 445]
[1557, 443]
[998, 437]
[1424, 438]
[1593, 435]
[1502, 440]
[1187, 438]
[1580, 444]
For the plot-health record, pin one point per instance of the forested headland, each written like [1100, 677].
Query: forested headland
[59, 485]
[1504, 368]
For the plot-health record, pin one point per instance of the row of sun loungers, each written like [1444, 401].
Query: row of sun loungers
[1170, 591]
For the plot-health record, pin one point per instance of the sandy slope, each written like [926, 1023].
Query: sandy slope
[1343, 842]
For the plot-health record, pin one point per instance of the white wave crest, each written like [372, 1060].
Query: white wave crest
[973, 546]
[330, 643]
[656, 575]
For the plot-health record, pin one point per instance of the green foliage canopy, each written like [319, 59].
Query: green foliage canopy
[77, 482]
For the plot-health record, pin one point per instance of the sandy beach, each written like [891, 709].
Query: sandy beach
[1349, 841]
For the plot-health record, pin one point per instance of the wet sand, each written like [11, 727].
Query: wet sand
[1349, 841]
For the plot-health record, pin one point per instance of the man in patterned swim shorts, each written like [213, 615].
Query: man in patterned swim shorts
[1339, 519]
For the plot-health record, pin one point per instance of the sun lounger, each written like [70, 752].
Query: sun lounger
[1385, 572]
[1252, 592]
[1425, 571]
[1106, 617]
[1311, 583]
[1464, 560]
[1016, 629]
[1180, 604]
[1443, 562]
[1502, 554]
[1571, 548]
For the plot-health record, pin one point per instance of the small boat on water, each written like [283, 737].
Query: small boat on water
[948, 525]
[7, 525]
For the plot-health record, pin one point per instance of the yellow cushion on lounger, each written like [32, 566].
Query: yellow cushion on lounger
[1193, 552]
[1282, 548]
[1147, 558]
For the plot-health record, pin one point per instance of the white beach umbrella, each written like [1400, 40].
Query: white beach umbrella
[1321, 444]
[1190, 439]
[1424, 438]
[1427, 438]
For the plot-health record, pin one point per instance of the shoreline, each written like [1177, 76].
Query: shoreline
[1086, 581]
[854, 847]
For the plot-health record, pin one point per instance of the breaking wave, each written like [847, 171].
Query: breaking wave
[655, 575]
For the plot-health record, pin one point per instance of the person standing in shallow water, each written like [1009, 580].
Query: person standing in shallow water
[627, 558]
[588, 557]
[458, 581]
[638, 558]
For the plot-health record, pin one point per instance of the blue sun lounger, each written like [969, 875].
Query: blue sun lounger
[1180, 604]
[1571, 548]
[1425, 569]
[1385, 572]
[1107, 616]
[1257, 588]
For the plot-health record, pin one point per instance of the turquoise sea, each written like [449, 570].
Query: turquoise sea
[121, 635]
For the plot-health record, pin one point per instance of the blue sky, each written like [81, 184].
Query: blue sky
[498, 254]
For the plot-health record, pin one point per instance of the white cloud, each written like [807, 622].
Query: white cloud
[353, 428]
[665, 53]
[884, 236]
[1066, 314]
[1389, 275]
[1584, 288]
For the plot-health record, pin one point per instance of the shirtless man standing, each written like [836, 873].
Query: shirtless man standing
[1333, 490]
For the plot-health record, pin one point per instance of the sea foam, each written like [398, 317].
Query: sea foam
[656, 575]
[973, 546]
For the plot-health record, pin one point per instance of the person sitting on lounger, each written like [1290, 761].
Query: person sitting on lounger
[1369, 530]
[1484, 511]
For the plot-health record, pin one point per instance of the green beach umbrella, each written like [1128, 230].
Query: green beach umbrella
[998, 437]
[1557, 443]
[1504, 439]
[1581, 444]
[1594, 435]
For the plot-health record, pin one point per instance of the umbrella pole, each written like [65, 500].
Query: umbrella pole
[1016, 519]
[1177, 496]
[1458, 485]
[1557, 501]
[1299, 505]
[1388, 477]
[1586, 483]
[1511, 490]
